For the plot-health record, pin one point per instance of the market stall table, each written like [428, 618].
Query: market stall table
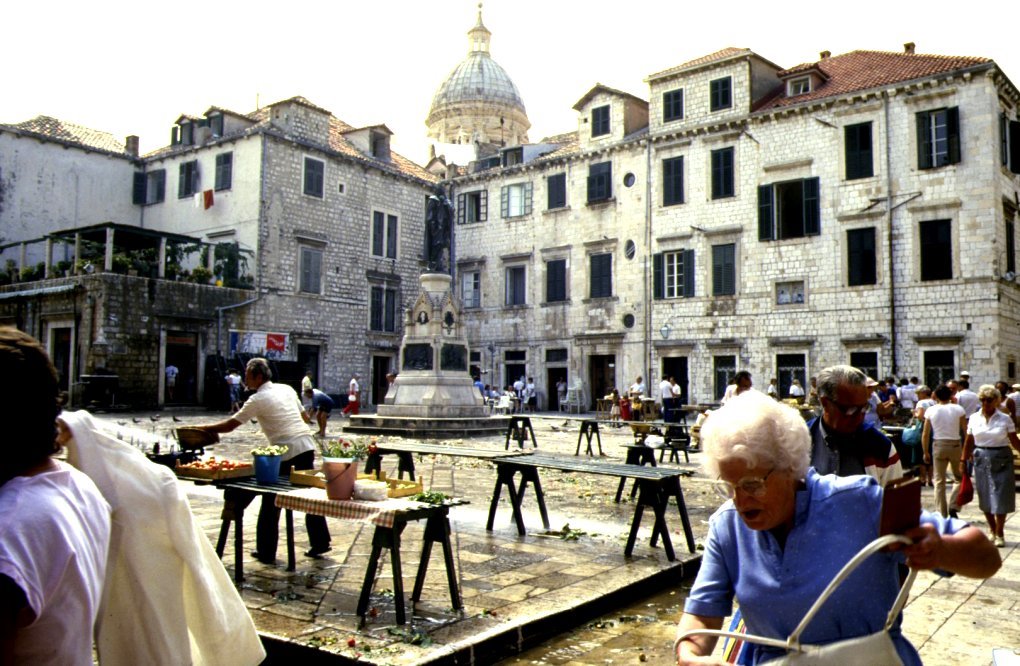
[389, 517]
[405, 454]
[656, 485]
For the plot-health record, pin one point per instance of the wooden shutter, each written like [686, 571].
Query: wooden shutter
[924, 147]
[1014, 146]
[461, 208]
[766, 223]
[160, 185]
[483, 205]
[138, 191]
[391, 237]
[688, 273]
[657, 276]
[182, 180]
[527, 198]
[504, 201]
[953, 130]
[812, 208]
[378, 232]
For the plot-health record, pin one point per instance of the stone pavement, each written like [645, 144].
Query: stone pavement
[572, 588]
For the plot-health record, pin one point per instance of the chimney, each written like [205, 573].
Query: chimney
[908, 48]
[451, 171]
[824, 55]
[131, 145]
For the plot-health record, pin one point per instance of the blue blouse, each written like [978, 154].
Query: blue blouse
[834, 518]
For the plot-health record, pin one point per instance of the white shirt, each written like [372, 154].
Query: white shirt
[638, 387]
[945, 420]
[278, 410]
[991, 433]
[353, 388]
[54, 541]
[796, 391]
[969, 401]
[907, 395]
[171, 372]
[772, 390]
[665, 389]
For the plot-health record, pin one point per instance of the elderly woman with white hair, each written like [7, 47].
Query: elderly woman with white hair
[990, 433]
[787, 531]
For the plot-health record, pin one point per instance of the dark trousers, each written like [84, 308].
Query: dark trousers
[267, 530]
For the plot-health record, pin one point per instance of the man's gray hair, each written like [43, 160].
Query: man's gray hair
[834, 376]
[260, 368]
[758, 430]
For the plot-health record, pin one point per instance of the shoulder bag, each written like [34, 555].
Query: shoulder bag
[876, 648]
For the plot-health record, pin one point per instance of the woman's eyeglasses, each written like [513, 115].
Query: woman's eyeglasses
[750, 485]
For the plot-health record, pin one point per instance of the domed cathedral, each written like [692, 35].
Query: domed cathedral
[477, 109]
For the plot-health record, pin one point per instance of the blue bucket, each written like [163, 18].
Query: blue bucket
[267, 469]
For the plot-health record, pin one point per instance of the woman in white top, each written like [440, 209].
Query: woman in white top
[989, 436]
[924, 401]
[944, 423]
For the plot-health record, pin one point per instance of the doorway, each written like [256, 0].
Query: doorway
[602, 376]
[788, 368]
[553, 377]
[381, 366]
[308, 359]
[676, 367]
[60, 353]
[182, 355]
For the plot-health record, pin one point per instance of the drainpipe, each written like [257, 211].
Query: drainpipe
[889, 221]
[648, 245]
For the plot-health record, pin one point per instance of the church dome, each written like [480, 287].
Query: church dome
[478, 103]
[478, 78]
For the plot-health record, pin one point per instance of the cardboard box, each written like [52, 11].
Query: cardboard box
[402, 488]
[317, 478]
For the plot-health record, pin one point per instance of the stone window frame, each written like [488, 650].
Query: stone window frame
[389, 242]
[310, 185]
[307, 248]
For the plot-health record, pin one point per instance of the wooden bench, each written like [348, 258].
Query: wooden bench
[656, 485]
[676, 437]
[518, 430]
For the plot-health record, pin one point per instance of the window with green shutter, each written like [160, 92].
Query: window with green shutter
[515, 200]
[600, 121]
[673, 274]
[556, 281]
[673, 105]
[857, 151]
[224, 171]
[601, 275]
[720, 93]
[790, 209]
[722, 173]
[600, 185]
[557, 190]
[724, 269]
[938, 138]
[673, 181]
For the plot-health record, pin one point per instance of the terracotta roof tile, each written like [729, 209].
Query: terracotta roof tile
[723, 54]
[864, 70]
[79, 135]
[336, 141]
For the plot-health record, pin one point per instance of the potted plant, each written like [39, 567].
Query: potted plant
[267, 462]
[340, 458]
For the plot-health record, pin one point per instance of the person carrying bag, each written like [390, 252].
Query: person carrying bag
[876, 648]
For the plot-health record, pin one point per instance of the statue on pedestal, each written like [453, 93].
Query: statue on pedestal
[438, 227]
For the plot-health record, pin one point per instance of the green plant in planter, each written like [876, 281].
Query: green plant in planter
[200, 275]
[62, 266]
[269, 450]
[121, 263]
[29, 273]
[346, 449]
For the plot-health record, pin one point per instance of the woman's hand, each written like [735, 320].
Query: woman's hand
[968, 552]
[926, 551]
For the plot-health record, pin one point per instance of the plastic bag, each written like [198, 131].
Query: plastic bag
[966, 493]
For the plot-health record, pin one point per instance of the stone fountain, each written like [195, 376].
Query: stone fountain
[433, 395]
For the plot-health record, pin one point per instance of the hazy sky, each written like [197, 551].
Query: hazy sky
[134, 67]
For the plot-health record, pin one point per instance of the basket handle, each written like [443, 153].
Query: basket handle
[793, 642]
[866, 552]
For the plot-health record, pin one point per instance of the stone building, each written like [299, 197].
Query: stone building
[859, 209]
[318, 223]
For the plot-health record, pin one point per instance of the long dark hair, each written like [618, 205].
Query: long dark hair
[29, 402]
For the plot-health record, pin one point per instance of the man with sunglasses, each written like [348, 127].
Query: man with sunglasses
[841, 442]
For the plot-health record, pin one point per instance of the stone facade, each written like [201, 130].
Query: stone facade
[795, 300]
[327, 221]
